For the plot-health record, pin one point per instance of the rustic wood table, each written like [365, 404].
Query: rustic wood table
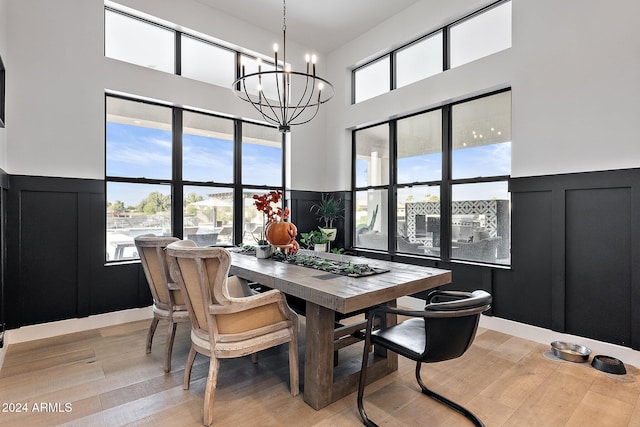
[327, 294]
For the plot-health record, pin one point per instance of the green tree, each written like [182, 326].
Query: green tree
[117, 207]
[155, 202]
[188, 201]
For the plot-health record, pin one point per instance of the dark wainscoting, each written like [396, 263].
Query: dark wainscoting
[300, 203]
[575, 252]
[55, 258]
[575, 257]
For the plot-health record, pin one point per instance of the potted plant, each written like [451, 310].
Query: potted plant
[328, 210]
[315, 239]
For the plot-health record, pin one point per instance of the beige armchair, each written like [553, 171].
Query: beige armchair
[168, 303]
[223, 326]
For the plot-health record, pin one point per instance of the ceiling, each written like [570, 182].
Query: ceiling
[320, 24]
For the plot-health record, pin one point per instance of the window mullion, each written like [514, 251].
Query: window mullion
[445, 188]
[177, 196]
[392, 212]
[238, 184]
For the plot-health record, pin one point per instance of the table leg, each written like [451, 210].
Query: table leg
[320, 388]
[318, 356]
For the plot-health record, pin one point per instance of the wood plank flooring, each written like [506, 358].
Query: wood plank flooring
[104, 378]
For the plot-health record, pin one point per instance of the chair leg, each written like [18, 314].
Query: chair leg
[210, 390]
[152, 330]
[294, 370]
[361, 383]
[187, 368]
[171, 334]
[453, 405]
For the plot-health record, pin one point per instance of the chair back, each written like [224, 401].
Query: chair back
[451, 320]
[156, 268]
[201, 273]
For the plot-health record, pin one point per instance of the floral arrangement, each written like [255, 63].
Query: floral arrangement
[264, 203]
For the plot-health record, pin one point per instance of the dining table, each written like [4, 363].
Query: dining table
[329, 296]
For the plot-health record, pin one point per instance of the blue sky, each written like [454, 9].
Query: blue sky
[137, 152]
[484, 160]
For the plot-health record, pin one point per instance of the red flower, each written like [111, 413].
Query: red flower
[263, 203]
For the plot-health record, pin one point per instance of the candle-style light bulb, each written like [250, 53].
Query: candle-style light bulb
[307, 58]
[320, 86]
[275, 54]
[314, 58]
[287, 68]
[259, 65]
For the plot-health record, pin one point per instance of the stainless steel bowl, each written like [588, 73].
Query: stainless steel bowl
[570, 352]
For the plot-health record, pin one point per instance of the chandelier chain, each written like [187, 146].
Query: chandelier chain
[284, 15]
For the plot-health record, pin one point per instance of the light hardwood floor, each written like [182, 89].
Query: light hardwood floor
[106, 379]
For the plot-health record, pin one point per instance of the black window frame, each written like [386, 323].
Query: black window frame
[446, 48]
[446, 184]
[176, 181]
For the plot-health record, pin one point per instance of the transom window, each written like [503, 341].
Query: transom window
[474, 36]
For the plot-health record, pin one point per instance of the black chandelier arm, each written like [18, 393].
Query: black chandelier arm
[294, 112]
[270, 119]
[310, 118]
[283, 107]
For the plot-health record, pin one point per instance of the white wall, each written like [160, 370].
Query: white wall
[59, 75]
[573, 71]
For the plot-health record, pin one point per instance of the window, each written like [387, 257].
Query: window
[207, 148]
[207, 62]
[372, 180]
[481, 35]
[261, 156]
[481, 131]
[139, 153]
[419, 60]
[372, 79]
[419, 174]
[139, 42]
[477, 35]
[370, 214]
[476, 136]
[208, 215]
[262, 165]
[149, 191]
[372, 156]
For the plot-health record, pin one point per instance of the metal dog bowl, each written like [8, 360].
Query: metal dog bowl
[608, 364]
[570, 352]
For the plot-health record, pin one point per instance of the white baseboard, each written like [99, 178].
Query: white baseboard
[62, 327]
[544, 336]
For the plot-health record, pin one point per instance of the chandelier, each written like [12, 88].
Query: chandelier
[284, 97]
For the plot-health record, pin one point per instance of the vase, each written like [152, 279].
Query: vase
[320, 247]
[264, 251]
[332, 232]
[280, 233]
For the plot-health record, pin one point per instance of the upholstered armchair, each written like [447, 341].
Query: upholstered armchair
[223, 326]
[168, 304]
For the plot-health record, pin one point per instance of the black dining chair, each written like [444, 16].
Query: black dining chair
[444, 330]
